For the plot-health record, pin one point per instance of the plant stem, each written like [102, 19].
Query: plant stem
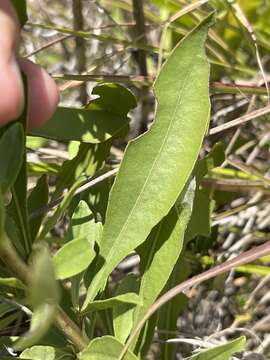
[18, 267]
[78, 24]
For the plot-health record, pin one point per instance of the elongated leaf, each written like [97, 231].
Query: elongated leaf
[73, 258]
[104, 118]
[123, 314]
[44, 297]
[104, 348]
[200, 222]
[127, 298]
[223, 352]
[160, 252]
[18, 207]
[169, 313]
[11, 155]
[37, 199]
[158, 164]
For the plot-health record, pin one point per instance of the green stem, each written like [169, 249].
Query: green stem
[18, 267]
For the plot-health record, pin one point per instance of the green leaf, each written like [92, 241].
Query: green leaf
[254, 269]
[104, 118]
[45, 353]
[160, 252]
[37, 199]
[73, 258]
[2, 218]
[200, 222]
[83, 224]
[11, 282]
[11, 155]
[89, 159]
[21, 9]
[223, 352]
[105, 348]
[18, 207]
[157, 165]
[44, 297]
[169, 313]
[123, 313]
[127, 298]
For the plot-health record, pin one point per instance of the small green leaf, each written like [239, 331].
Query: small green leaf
[21, 9]
[105, 348]
[127, 298]
[83, 225]
[123, 313]
[223, 352]
[73, 258]
[157, 165]
[104, 118]
[44, 297]
[45, 353]
[11, 155]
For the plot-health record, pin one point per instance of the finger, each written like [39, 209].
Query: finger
[10, 30]
[43, 93]
[11, 98]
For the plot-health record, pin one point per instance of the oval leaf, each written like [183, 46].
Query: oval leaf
[105, 348]
[73, 258]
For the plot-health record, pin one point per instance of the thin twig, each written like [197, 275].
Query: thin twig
[88, 185]
[48, 44]
[241, 120]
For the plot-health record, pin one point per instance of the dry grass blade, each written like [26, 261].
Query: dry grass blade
[187, 9]
[241, 120]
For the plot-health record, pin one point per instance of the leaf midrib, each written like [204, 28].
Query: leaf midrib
[178, 102]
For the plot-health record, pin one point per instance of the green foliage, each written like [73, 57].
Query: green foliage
[142, 168]
[222, 352]
[105, 348]
[100, 121]
[158, 207]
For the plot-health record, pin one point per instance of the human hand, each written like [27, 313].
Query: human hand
[43, 93]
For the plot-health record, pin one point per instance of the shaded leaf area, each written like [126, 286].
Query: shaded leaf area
[151, 165]
[223, 352]
[44, 298]
[101, 120]
[127, 298]
[123, 314]
[17, 226]
[169, 313]
[11, 155]
[105, 348]
[38, 198]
